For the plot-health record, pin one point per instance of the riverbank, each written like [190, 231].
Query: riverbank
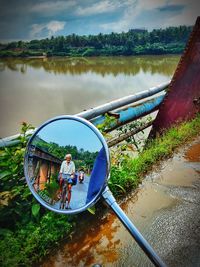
[29, 232]
[150, 49]
[170, 40]
[129, 174]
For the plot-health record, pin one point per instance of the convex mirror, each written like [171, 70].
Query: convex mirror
[67, 164]
[66, 168]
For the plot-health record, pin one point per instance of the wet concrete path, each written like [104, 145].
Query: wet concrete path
[166, 210]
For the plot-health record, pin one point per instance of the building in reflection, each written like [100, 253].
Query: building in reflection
[42, 166]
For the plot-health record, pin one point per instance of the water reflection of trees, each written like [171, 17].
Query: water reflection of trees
[102, 65]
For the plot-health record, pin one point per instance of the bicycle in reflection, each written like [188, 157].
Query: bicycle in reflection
[66, 183]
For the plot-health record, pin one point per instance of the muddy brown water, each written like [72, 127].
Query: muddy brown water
[35, 90]
[165, 209]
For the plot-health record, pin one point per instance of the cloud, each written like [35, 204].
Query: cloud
[132, 10]
[171, 8]
[46, 29]
[98, 8]
[54, 26]
[51, 8]
[155, 14]
[187, 17]
[24, 19]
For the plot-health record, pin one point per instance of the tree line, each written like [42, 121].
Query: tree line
[83, 159]
[134, 42]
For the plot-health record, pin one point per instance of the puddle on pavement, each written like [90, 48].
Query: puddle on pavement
[149, 195]
[178, 173]
[97, 243]
[183, 170]
[104, 240]
[193, 153]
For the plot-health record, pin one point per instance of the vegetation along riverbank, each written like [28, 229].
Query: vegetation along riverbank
[28, 232]
[171, 40]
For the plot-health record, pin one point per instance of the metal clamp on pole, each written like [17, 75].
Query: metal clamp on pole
[110, 200]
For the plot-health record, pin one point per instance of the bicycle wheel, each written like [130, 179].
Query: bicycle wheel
[63, 195]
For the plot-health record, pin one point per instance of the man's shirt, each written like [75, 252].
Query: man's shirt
[67, 168]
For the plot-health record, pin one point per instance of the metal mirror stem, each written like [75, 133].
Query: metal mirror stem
[111, 201]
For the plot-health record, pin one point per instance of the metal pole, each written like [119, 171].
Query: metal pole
[110, 200]
[125, 136]
[129, 113]
[94, 112]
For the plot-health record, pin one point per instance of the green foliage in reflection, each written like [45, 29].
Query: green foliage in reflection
[130, 66]
[82, 159]
[134, 42]
[51, 189]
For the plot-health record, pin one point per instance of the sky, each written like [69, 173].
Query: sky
[37, 19]
[70, 132]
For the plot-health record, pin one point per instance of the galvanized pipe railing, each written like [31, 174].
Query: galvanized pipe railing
[102, 109]
[94, 112]
[130, 113]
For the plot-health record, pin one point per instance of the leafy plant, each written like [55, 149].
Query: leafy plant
[108, 122]
[138, 139]
[27, 230]
[52, 189]
[35, 209]
[15, 196]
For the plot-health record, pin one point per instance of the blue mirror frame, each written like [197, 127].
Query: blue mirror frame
[104, 145]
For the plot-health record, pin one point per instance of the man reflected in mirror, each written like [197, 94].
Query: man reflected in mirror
[67, 172]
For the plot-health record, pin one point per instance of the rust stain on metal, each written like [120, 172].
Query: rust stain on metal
[181, 101]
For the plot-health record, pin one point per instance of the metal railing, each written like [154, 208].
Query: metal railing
[119, 106]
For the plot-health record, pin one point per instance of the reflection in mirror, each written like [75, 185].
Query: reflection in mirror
[67, 164]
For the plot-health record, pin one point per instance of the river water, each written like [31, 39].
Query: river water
[35, 90]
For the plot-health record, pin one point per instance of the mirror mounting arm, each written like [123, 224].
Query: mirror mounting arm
[108, 196]
[110, 200]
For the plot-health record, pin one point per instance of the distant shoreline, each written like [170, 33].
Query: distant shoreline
[8, 54]
[171, 40]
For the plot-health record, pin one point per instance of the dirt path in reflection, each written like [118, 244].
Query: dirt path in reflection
[165, 209]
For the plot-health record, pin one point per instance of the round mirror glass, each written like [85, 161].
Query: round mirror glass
[67, 164]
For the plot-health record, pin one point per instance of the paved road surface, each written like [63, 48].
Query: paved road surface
[79, 194]
[166, 210]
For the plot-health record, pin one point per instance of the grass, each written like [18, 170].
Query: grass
[131, 171]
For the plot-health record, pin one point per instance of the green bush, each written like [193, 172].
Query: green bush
[27, 231]
[32, 241]
[91, 52]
